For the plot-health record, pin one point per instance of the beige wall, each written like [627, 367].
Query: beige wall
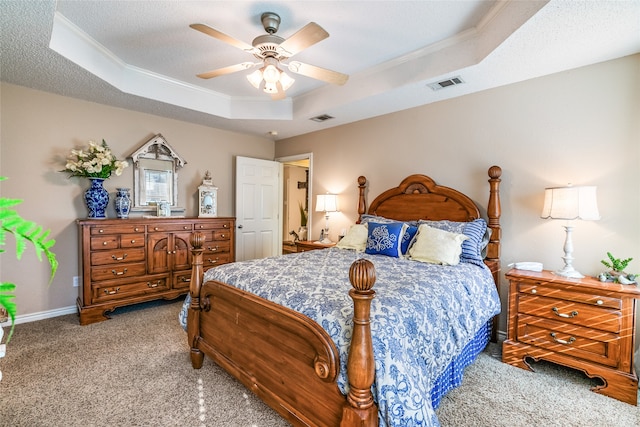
[581, 126]
[37, 131]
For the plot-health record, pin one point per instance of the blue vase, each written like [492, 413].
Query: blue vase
[97, 199]
[122, 202]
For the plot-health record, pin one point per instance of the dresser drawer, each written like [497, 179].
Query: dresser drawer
[119, 271]
[216, 246]
[576, 341]
[159, 227]
[181, 279]
[109, 292]
[117, 229]
[132, 241]
[223, 225]
[214, 259]
[120, 256]
[571, 312]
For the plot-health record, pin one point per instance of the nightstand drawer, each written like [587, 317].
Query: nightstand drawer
[576, 341]
[571, 312]
[538, 288]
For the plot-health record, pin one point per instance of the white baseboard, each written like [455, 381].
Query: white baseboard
[26, 318]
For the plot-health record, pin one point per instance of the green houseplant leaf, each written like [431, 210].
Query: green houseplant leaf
[24, 231]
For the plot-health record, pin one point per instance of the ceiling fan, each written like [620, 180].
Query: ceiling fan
[273, 51]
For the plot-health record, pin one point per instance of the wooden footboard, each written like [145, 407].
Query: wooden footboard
[284, 357]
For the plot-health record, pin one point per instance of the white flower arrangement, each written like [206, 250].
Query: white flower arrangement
[96, 162]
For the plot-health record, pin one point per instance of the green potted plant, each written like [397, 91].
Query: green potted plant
[23, 231]
[616, 271]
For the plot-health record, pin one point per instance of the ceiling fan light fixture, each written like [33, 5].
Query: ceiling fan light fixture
[286, 81]
[271, 74]
[255, 78]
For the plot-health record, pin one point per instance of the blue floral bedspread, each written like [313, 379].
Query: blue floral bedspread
[423, 315]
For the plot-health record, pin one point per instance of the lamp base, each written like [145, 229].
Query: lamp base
[570, 272]
[325, 241]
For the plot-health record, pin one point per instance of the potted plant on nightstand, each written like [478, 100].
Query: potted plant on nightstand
[23, 231]
[616, 271]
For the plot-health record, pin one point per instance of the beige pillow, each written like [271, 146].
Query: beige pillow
[356, 238]
[437, 246]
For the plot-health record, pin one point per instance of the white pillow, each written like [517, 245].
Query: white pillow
[356, 238]
[437, 246]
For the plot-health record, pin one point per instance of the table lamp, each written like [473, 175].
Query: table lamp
[570, 203]
[326, 203]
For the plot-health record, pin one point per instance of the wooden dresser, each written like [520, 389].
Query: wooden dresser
[580, 323]
[127, 261]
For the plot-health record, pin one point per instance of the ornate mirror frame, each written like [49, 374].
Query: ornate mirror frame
[155, 175]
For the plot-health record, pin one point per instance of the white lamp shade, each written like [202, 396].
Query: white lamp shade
[327, 203]
[570, 203]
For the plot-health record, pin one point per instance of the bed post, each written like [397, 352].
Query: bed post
[362, 204]
[359, 409]
[493, 212]
[193, 315]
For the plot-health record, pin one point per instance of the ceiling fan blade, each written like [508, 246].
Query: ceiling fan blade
[223, 37]
[228, 70]
[307, 36]
[318, 73]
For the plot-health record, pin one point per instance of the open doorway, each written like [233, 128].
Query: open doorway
[297, 179]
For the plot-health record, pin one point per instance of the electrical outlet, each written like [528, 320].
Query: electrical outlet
[76, 281]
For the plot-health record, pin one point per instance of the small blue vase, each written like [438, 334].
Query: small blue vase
[122, 202]
[97, 199]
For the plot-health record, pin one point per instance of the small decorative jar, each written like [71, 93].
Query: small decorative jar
[122, 202]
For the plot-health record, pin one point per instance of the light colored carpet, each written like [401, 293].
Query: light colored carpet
[135, 370]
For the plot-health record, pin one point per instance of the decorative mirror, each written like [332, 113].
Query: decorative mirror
[155, 176]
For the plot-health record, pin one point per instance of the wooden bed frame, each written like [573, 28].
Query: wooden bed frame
[286, 358]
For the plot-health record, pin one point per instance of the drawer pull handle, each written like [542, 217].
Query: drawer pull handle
[119, 258]
[185, 278]
[153, 285]
[574, 313]
[212, 261]
[115, 273]
[599, 302]
[563, 342]
[112, 291]
[213, 249]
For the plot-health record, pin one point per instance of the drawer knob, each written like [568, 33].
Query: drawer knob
[115, 273]
[599, 302]
[223, 236]
[156, 228]
[184, 227]
[101, 231]
[133, 241]
[136, 229]
[105, 243]
[534, 291]
[225, 226]
[119, 258]
[574, 313]
[563, 342]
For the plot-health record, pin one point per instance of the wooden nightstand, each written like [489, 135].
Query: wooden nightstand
[309, 245]
[584, 324]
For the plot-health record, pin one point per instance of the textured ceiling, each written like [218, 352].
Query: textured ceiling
[143, 56]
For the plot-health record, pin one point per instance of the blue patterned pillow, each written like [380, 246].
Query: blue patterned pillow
[385, 238]
[475, 230]
[407, 238]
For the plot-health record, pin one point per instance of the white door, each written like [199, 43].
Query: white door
[258, 208]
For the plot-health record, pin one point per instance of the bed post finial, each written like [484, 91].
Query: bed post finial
[362, 204]
[193, 315]
[359, 409]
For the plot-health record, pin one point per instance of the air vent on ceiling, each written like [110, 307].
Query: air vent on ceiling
[446, 83]
[321, 118]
